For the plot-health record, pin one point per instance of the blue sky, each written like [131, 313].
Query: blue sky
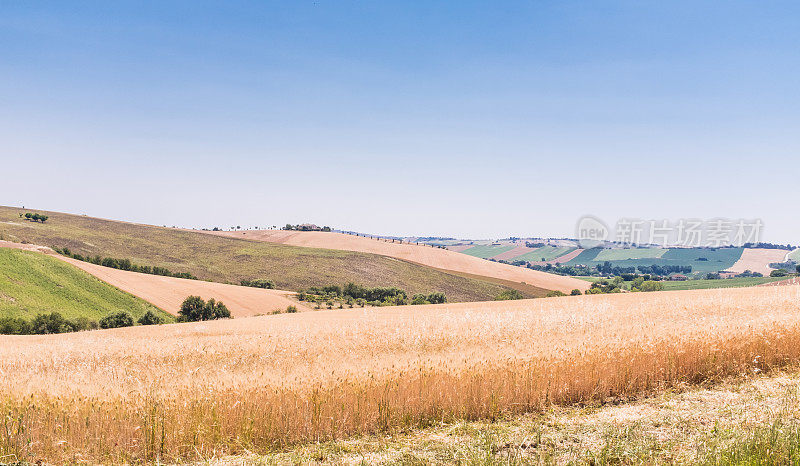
[468, 119]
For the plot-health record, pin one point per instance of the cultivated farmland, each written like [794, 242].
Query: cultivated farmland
[487, 251]
[192, 391]
[33, 283]
[441, 259]
[229, 260]
[758, 260]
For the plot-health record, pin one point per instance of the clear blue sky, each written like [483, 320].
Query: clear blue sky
[468, 119]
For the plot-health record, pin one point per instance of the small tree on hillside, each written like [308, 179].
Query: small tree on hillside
[194, 309]
[150, 318]
[116, 320]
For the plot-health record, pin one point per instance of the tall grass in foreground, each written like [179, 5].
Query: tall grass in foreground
[260, 384]
[199, 424]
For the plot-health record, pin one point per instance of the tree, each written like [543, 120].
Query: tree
[50, 323]
[418, 299]
[150, 318]
[652, 286]
[779, 273]
[509, 295]
[117, 320]
[194, 309]
[797, 268]
[575, 292]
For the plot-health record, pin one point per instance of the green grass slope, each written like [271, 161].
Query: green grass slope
[32, 283]
[487, 251]
[702, 260]
[229, 260]
[545, 253]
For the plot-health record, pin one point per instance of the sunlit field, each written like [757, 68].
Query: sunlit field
[200, 390]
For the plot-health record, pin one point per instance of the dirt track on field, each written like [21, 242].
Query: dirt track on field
[425, 255]
[758, 260]
[168, 293]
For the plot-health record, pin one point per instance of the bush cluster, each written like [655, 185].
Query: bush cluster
[35, 217]
[259, 283]
[124, 264]
[352, 294]
[195, 309]
[509, 295]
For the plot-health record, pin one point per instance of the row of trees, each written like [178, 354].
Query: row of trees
[193, 309]
[125, 264]
[34, 217]
[259, 283]
[305, 227]
[352, 293]
[608, 269]
[54, 322]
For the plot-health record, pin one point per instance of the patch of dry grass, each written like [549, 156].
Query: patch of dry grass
[190, 391]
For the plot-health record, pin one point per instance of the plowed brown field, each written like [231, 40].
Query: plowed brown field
[758, 260]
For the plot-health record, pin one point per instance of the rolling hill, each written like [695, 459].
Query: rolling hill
[441, 259]
[33, 283]
[229, 260]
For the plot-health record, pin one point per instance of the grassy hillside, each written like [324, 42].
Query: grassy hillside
[702, 260]
[739, 282]
[230, 260]
[546, 253]
[487, 251]
[724, 283]
[32, 283]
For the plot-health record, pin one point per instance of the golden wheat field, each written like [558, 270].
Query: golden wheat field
[190, 391]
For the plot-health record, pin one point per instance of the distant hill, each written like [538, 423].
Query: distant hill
[429, 256]
[229, 260]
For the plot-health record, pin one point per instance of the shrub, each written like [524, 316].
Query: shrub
[418, 299]
[80, 324]
[291, 309]
[54, 322]
[555, 293]
[150, 318]
[194, 309]
[259, 283]
[652, 286]
[509, 295]
[14, 326]
[779, 273]
[575, 292]
[117, 320]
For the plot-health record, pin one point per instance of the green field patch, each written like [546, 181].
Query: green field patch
[544, 254]
[722, 283]
[487, 251]
[795, 255]
[585, 257]
[32, 283]
[702, 260]
[625, 254]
